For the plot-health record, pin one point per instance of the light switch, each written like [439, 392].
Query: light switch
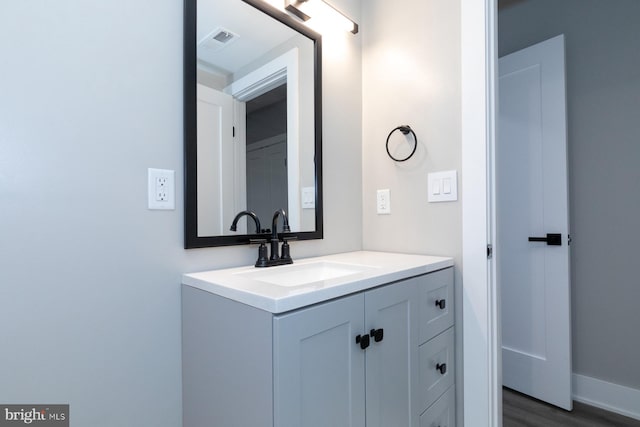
[435, 188]
[446, 186]
[443, 186]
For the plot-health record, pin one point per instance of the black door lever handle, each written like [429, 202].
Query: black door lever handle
[552, 239]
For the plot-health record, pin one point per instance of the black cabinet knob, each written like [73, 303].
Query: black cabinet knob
[442, 303]
[442, 367]
[363, 340]
[377, 334]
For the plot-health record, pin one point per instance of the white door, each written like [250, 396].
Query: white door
[532, 202]
[216, 159]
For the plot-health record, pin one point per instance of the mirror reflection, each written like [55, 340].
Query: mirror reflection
[256, 134]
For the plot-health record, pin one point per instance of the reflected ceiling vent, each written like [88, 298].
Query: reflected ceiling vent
[218, 39]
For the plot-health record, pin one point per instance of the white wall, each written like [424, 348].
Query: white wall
[90, 97]
[603, 89]
[412, 75]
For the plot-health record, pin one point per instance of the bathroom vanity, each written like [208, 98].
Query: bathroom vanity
[356, 339]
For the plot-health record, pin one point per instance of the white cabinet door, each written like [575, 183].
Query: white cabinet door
[390, 362]
[318, 367]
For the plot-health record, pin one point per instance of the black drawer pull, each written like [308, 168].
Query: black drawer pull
[552, 239]
[377, 334]
[442, 303]
[442, 367]
[363, 340]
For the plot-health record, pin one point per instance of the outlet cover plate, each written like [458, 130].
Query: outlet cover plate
[161, 189]
[383, 202]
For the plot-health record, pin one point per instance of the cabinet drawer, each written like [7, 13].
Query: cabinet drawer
[442, 413]
[436, 368]
[436, 303]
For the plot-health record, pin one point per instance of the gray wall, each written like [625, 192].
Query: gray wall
[603, 100]
[412, 75]
[90, 97]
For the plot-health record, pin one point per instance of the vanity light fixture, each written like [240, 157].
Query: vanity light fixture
[320, 10]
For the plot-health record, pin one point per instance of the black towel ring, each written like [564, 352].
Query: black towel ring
[405, 129]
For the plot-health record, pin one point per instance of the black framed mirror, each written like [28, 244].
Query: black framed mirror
[252, 122]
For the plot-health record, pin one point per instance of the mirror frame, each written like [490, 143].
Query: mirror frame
[191, 238]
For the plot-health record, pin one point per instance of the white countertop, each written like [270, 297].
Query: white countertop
[371, 269]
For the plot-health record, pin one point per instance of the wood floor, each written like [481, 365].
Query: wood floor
[522, 411]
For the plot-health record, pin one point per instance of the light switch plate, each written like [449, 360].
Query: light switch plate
[308, 197]
[443, 186]
[161, 189]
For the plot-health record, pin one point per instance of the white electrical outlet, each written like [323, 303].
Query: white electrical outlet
[384, 202]
[161, 189]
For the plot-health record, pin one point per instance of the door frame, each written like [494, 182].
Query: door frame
[482, 371]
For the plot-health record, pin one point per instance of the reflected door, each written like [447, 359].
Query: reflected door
[267, 178]
[216, 162]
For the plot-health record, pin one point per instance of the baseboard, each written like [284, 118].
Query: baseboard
[612, 397]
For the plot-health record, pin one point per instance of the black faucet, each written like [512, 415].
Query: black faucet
[250, 214]
[275, 258]
[262, 250]
[274, 233]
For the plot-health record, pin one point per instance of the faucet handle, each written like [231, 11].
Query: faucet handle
[262, 260]
[286, 253]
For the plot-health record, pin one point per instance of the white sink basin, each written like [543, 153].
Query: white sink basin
[304, 274]
[312, 280]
